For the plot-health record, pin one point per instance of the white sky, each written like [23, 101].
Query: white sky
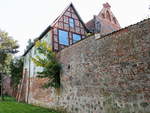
[24, 19]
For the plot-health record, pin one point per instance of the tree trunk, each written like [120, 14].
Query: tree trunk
[1, 87]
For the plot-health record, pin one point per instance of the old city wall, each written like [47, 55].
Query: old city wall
[90, 63]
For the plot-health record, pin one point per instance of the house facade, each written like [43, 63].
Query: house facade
[67, 29]
[87, 63]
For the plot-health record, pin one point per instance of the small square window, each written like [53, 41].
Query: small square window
[76, 38]
[71, 22]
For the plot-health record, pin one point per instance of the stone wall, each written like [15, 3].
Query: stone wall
[116, 64]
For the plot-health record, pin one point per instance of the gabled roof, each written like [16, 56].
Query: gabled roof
[104, 15]
[72, 6]
[107, 20]
[79, 17]
[91, 25]
[51, 26]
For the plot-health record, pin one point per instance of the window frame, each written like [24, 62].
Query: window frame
[68, 42]
[71, 22]
[108, 16]
[77, 35]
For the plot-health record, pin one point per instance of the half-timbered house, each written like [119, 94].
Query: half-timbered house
[67, 29]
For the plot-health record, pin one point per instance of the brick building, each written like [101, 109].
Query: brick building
[88, 60]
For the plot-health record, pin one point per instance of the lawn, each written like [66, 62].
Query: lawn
[11, 106]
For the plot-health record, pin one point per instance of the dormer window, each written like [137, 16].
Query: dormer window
[71, 22]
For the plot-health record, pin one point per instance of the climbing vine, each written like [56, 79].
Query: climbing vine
[46, 59]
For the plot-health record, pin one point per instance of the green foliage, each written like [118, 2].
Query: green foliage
[89, 34]
[11, 106]
[9, 98]
[7, 44]
[16, 70]
[29, 44]
[46, 59]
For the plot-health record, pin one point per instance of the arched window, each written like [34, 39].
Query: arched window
[103, 16]
[108, 16]
[114, 19]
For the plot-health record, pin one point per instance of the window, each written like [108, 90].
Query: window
[97, 27]
[108, 16]
[63, 37]
[114, 19]
[103, 16]
[76, 38]
[71, 22]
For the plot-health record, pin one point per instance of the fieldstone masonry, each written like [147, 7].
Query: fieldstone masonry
[124, 53]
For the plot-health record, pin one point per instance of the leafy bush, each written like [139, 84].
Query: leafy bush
[46, 59]
[16, 70]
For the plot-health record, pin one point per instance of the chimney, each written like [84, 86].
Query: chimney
[106, 5]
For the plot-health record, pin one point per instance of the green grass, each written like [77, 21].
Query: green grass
[11, 106]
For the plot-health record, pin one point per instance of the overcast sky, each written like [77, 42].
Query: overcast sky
[24, 19]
